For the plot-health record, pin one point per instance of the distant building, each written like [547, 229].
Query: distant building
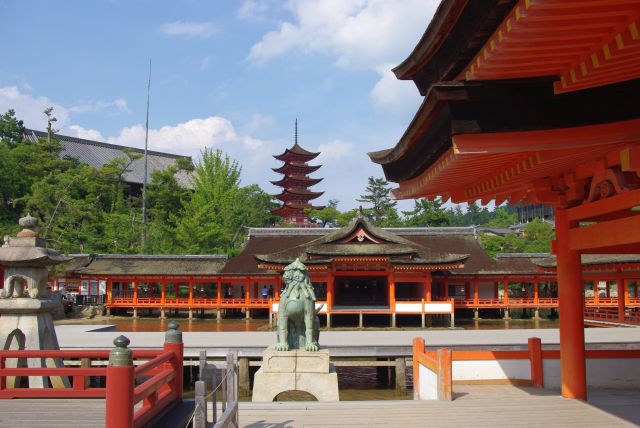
[526, 213]
[97, 154]
[296, 182]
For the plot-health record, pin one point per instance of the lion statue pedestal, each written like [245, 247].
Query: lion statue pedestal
[296, 362]
[297, 370]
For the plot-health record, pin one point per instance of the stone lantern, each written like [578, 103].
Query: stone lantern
[25, 301]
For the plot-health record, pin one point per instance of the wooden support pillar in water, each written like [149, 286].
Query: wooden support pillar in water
[360, 320]
[393, 320]
[247, 314]
[401, 375]
[244, 385]
[135, 312]
[507, 315]
[218, 314]
[453, 319]
[476, 314]
[328, 320]
[162, 314]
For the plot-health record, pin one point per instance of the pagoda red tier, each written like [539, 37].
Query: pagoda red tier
[296, 183]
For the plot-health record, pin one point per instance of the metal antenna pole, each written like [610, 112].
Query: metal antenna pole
[144, 182]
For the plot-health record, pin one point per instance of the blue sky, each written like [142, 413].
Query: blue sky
[227, 74]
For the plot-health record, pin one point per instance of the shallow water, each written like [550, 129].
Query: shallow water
[129, 324]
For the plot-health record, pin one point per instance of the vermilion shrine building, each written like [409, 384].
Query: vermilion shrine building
[356, 270]
[533, 101]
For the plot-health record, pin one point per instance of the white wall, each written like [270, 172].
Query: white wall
[487, 370]
[428, 384]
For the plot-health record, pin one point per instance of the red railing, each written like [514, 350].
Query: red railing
[513, 302]
[631, 316]
[160, 379]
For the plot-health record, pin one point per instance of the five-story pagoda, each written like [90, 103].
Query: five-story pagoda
[296, 182]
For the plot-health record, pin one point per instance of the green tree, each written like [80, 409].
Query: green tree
[427, 213]
[219, 211]
[11, 129]
[501, 217]
[383, 211]
[327, 216]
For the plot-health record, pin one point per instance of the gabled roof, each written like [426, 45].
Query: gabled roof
[360, 238]
[97, 154]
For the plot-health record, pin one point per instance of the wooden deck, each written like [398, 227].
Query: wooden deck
[478, 406]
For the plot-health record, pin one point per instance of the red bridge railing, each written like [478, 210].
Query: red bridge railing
[134, 395]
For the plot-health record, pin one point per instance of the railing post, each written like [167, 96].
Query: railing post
[535, 356]
[3, 379]
[418, 348]
[119, 393]
[444, 374]
[200, 411]
[173, 343]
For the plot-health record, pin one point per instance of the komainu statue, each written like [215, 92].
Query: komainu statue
[298, 323]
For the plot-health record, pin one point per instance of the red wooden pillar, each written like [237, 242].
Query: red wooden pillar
[277, 289]
[475, 291]
[505, 293]
[135, 292]
[247, 291]
[219, 291]
[109, 291]
[571, 304]
[446, 288]
[427, 286]
[607, 288]
[330, 285]
[596, 294]
[392, 291]
[536, 290]
[190, 291]
[163, 292]
[622, 296]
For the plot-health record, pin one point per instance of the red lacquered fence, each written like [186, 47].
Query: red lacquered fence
[134, 395]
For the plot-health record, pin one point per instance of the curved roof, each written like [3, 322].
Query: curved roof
[296, 152]
[150, 265]
[294, 193]
[296, 167]
[293, 179]
[361, 238]
[293, 206]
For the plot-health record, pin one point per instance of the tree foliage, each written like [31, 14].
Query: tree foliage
[383, 211]
[92, 210]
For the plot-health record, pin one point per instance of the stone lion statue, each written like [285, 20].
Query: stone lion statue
[298, 323]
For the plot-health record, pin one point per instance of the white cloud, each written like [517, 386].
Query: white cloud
[87, 134]
[398, 95]
[365, 34]
[30, 108]
[190, 29]
[92, 106]
[336, 150]
[257, 122]
[252, 10]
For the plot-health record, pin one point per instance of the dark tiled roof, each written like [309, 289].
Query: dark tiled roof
[125, 264]
[96, 154]
[386, 243]
[519, 263]
[593, 260]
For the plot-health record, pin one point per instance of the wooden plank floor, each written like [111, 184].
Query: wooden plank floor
[478, 406]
